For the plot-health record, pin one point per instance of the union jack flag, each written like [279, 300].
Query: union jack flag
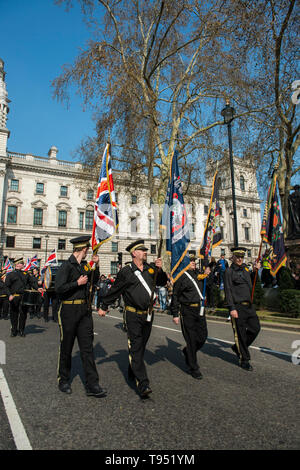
[105, 213]
[8, 266]
[52, 259]
[32, 263]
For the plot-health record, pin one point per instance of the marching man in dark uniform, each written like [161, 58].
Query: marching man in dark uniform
[187, 299]
[245, 322]
[135, 283]
[75, 317]
[17, 282]
[4, 294]
[36, 281]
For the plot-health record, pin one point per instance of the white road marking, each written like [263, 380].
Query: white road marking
[258, 348]
[17, 428]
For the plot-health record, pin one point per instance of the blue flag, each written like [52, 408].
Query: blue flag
[174, 220]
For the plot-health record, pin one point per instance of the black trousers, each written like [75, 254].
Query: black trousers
[54, 303]
[138, 333]
[194, 330]
[246, 328]
[4, 306]
[18, 314]
[76, 322]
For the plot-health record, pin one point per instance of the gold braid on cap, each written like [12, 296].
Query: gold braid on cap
[136, 247]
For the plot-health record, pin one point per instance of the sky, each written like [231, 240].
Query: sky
[37, 39]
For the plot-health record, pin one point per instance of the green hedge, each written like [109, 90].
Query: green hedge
[289, 300]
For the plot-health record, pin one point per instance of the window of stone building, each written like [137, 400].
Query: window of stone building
[36, 243]
[244, 212]
[61, 244]
[249, 254]
[12, 214]
[89, 219]
[113, 267]
[133, 224]
[14, 185]
[37, 216]
[205, 209]
[64, 191]
[81, 219]
[39, 189]
[247, 233]
[133, 199]
[62, 218]
[10, 242]
[223, 252]
[242, 183]
[114, 247]
[90, 195]
[192, 227]
[151, 226]
[153, 249]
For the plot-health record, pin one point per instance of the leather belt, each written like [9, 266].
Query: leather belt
[194, 305]
[3, 295]
[74, 302]
[132, 309]
[248, 304]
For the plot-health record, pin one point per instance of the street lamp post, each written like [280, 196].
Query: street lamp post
[228, 114]
[46, 250]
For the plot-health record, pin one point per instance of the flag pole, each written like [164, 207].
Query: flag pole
[151, 306]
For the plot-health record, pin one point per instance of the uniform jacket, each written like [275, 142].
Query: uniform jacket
[66, 279]
[133, 291]
[238, 285]
[3, 288]
[185, 292]
[18, 281]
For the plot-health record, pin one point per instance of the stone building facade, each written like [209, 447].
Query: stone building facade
[46, 201]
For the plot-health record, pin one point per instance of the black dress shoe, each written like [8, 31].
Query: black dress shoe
[196, 374]
[145, 391]
[95, 391]
[246, 365]
[65, 388]
[13, 333]
[22, 334]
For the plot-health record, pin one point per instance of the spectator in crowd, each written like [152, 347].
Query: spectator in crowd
[162, 297]
[102, 288]
[221, 266]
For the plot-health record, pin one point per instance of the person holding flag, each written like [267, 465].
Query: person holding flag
[187, 295]
[136, 283]
[245, 322]
[75, 317]
[186, 299]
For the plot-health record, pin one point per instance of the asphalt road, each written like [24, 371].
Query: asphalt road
[229, 409]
